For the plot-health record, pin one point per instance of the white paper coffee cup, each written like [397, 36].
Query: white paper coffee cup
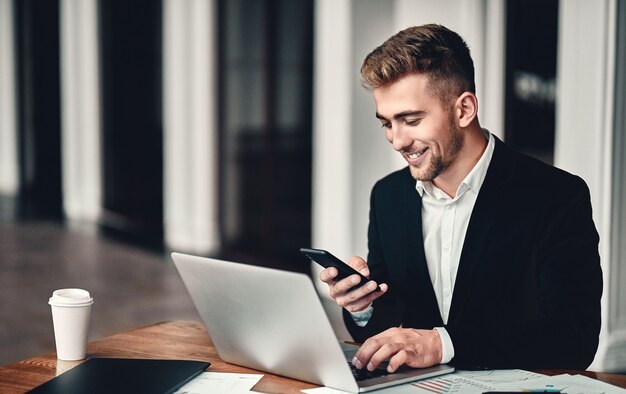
[71, 310]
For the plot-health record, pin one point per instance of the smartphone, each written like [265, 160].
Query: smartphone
[327, 260]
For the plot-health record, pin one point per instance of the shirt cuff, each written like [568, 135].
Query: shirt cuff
[362, 317]
[447, 348]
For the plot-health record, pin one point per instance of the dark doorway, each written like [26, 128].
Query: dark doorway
[265, 92]
[39, 119]
[531, 45]
[130, 64]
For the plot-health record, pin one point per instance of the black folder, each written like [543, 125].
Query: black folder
[120, 375]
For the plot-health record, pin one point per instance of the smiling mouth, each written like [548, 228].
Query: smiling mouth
[415, 155]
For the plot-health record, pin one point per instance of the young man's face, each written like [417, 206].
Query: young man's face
[418, 126]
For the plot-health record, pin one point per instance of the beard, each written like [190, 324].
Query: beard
[441, 161]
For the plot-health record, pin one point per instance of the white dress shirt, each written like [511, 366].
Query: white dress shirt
[444, 224]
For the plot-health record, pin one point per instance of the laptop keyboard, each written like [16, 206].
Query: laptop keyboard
[364, 374]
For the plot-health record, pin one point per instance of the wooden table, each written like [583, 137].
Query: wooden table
[173, 340]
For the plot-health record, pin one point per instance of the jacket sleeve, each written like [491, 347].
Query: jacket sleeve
[388, 309]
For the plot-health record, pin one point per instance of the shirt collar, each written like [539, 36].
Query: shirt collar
[476, 176]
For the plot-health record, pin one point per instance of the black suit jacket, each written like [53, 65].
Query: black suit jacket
[529, 282]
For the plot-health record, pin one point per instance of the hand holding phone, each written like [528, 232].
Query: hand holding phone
[327, 260]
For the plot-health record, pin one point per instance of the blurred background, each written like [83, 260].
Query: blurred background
[238, 129]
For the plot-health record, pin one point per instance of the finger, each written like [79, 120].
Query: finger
[384, 353]
[365, 300]
[374, 343]
[383, 287]
[360, 298]
[399, 359]
[328, 275]
[365, 352]
[356, 306]
[359, 264]
[348, 283]
[342, 293]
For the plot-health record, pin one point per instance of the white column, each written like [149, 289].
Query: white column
[332, 126]
[584, 118]
[371, 155]
[190, 125]
[614, 359]
[333, 76]
[9, 179]
[491, 85]
[80, 111]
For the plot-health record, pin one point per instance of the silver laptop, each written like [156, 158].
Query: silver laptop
[273, 321]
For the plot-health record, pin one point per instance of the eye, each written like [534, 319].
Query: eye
[385, 125]
[412, 122]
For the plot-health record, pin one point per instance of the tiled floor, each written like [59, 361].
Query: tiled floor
[131, 287]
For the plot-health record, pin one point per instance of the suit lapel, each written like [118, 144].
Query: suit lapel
[490, 199]
[413, 253]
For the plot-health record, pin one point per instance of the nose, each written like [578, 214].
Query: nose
[399, 139]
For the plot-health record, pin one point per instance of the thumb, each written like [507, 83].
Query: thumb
[359, 264]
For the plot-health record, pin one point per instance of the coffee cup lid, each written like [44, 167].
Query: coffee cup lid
[70, 297]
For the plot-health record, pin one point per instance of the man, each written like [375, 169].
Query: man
[485, 257]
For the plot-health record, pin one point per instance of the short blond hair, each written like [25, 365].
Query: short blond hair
[431, 49]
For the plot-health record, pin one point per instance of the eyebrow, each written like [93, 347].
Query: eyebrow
[402, 114]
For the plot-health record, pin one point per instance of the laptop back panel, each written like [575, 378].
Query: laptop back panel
[266, 319]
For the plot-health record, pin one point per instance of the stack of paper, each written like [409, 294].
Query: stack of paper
[478, 382]
[570, 384]
[218, 382]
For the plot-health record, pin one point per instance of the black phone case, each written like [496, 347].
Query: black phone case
[326, 260]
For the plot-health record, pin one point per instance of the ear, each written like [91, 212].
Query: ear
[466, 109]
